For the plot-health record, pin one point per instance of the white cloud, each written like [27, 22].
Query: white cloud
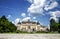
[35, 21]
[51, 6]
[34, 17]
[41, 23]
[53, 18]
[30, 1]
[26, 19]
[13, 22]
[55, 14]
[9, 16]
[23, 15]
[38, 6]
[29, 14]
[16, 21]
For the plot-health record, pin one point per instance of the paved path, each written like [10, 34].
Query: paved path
[29, 36]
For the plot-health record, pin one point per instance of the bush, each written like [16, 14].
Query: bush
[59, 30]
[17, 31]
[40, 32]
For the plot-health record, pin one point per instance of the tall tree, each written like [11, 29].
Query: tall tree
[59, 25]
[6, 26]
[59, 20]
[52, 21]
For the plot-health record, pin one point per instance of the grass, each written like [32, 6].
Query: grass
[20, 32]
[32, 33]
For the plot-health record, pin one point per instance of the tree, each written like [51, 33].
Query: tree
[59, 25]
[52, 21]
[6, 26]
[54, 26]
[59, 20]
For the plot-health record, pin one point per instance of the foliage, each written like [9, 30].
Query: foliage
[52, 25]
[41, 32]
[59, 30]
[59, 20]
[55, 26]
[6, 26]
[18, 31]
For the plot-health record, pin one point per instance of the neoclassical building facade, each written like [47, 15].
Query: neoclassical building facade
[29, 26]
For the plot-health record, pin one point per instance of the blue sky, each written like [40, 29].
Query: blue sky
[35, 10]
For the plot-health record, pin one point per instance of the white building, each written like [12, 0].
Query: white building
[29, 26]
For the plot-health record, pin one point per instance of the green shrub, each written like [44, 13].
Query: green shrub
[59, 30]
[17, 31]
